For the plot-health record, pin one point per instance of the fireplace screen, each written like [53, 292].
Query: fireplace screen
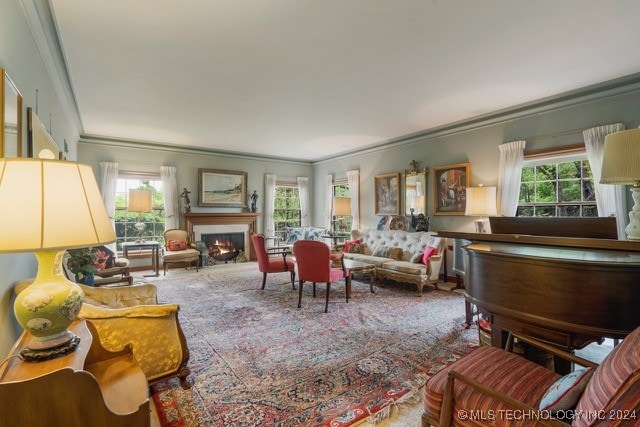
[223, 246]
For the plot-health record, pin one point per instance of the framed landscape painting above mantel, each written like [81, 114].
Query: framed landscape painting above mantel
[222, 188]
[450, 184]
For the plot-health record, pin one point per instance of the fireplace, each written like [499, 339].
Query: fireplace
[198, 224]
[223, 246]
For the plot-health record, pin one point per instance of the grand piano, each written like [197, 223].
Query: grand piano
[566, 281]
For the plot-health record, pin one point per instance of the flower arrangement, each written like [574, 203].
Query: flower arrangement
[85, 261]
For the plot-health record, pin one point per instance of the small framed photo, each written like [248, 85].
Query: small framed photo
[40, 143]
[387, 194]
[222, 188]
[450, 189]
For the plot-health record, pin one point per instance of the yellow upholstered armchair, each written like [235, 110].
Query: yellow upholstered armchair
[178, 249]
[131, 315]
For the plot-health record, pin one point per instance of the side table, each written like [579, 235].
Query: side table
[155, 252]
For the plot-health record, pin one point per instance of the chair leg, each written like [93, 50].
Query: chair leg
[314, 289]
[293, 279]
[264, 280]
[300, 294]
[165, 268]
[347, 281]
[326, 305]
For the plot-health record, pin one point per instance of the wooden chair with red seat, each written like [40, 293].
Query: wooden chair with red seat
[314, 265]
[268, 264]
[491, 386]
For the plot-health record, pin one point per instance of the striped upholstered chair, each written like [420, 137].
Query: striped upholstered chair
[491, 386]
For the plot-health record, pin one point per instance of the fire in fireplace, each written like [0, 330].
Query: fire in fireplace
[224, 246]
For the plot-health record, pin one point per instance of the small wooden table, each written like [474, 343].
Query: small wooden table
[362, 268]
[155, 252]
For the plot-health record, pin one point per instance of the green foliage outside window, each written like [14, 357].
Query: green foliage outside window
[557, 189]
[125, 221]
[286, 208]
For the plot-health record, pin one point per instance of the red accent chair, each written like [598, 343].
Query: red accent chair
[314, 265]
[496, 382]
[268, 264]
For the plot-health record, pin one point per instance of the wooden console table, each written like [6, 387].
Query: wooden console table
[88, 387]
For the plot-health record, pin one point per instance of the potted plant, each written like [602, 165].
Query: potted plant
[85, 262]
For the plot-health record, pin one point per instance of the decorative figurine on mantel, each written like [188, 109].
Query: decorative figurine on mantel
[186, 200]
[254, 201]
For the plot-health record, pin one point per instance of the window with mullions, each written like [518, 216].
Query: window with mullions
[557, 189]
[286, 211]
[125, 221]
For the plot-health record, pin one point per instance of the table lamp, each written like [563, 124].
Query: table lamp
[417, 204]
[621, 165]
[139, 201]
[341, 208]
[50, 206]
[481, 201]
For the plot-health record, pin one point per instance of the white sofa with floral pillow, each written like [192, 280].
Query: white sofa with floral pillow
[399, 255]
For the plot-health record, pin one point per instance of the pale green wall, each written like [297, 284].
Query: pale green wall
[20, 57]
[187, 164]
[479, 146]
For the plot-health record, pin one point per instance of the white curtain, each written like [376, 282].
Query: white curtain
[610, 199]
[269, 204]
[353, 179]
[328, 203]
[511, 158]
[170, 195]
[108, 185]
[303, 193]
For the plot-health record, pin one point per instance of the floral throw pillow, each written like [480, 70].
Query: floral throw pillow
[354, 248]
[177, 245]
[348, 243]
[387, 252]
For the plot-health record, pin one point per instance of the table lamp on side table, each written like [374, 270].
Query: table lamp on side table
[50, 206]
[139, 201]
[341, 208]
[621, 165]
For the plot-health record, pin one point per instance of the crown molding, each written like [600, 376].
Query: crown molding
[42, 26]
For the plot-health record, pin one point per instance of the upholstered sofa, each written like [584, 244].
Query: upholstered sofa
[397, 255]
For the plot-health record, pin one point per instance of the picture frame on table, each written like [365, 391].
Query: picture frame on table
[222, 188]
[450, 185]
[387, 194]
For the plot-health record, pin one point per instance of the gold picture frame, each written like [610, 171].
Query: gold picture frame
[450, 185]
[387, 194]
[222, 188]
[10, 118]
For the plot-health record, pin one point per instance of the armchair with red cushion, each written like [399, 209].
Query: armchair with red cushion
[314, 265]
[268, 264]
[178, 249]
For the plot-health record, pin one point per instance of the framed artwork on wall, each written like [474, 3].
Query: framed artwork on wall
[450, 184]
[387, 194]
[40, 144]
[222, 188]
[10, 118]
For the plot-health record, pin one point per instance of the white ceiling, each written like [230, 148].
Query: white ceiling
[307, 79]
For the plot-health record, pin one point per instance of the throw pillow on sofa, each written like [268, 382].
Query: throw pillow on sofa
[387, 252]
[348, 243]
[294, 234]
[428, 252]
[315, 233]
[355, 248]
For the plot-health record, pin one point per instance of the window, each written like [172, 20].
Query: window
[557, 187]
[341, 222]
[125, 220]
[287, 207]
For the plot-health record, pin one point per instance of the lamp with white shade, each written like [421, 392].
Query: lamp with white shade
[481, 201]
[139, 202]
[621, 165]
[341, 208]
[50, 206]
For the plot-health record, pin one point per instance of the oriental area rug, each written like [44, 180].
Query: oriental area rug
[258, 360]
